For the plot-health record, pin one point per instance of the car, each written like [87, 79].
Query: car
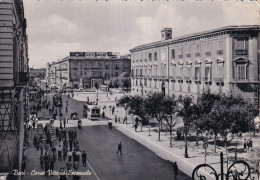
[74, 116]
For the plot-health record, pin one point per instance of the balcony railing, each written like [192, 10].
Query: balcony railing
[188, 55]
[208, 53]
[22, 78]
[196, 79]
[241, 52]
[197, 54]
[219, 52]
[179, 77]
[187, 78]
[180, 56]
[206, 79]
[218, 79]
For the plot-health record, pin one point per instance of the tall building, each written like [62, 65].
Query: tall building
[222, 60]
[13, 83]
[84, 69]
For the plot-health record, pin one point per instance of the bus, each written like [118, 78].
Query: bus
[91, 111]
[57, 100]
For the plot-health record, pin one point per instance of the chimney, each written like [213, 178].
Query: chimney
[166, 34]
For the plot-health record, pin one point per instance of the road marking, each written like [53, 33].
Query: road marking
[93, 171]
[165, 150]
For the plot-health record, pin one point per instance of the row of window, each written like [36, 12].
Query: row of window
[180, 88]
[98, 74]
[100, 65]
[240, 46]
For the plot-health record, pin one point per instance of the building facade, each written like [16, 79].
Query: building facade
[84, 69]
[13, 83]
[40, 73]
[222, 60]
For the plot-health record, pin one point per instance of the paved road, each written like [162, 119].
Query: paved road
[136, 163]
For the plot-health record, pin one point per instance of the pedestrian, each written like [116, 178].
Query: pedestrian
[113, 110]
[175, 169]
[64, 123]
[119, 120]
[51, 163]
[60, 124]
[78, 154]
[84, 158]
[33, 124]
[119, 148]
[135, 125]
[245, 143]
[70, 155]
[76, 165]
[65, 151]
[74, 156]
[63, 175]
[69, 165]
[116, 118]
[46, 163]
[41, 147]
[125, 120]
[42, 160]
[250, 144]
[59, 152]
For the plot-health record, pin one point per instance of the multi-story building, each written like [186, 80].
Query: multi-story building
[13, 83]
[84, 69]
[222, 60]
[40, 73]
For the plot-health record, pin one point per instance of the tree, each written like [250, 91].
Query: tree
[231, 115]
[203, 120]
[126, 83]
[187, 112]
[154, 106]
[124, 102]
[170, 110]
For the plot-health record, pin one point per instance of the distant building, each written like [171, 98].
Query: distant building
[14, 73]
[84, 69]
[222, 60]
[40, 73]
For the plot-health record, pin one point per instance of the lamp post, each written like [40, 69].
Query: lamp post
[107, 82]
[96, 87]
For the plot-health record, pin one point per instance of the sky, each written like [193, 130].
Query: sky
[57, 27]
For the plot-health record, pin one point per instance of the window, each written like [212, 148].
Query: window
[141, 72]
[180, 52]
[145, 82]
[150, 83]
[220, 45]
[132, 72]
[173, 53]
[136, 82]
[100, 65]
[188, 50]
[197, 50]
[197, 73]
[188, 87]
[207, 73]
[85, 65]
[181, 70]
[220, 69]
[136, 73]
[155, 86]
[208, 46]
[116, 74]
[116, 66]
[126, 64]
[91, 64]
[155, 56]
[180, 84]
[150, 56]
[172, 85]
[241, 46]
[241, 72]
[75, 64]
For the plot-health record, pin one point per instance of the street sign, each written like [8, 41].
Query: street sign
[205, 145]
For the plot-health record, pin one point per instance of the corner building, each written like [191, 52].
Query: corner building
[14, 73]
[222, 60]
[84, 69]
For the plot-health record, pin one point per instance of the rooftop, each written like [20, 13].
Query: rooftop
[197, 35]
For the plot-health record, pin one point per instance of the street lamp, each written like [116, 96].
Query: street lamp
[107, 82]
[96, 87]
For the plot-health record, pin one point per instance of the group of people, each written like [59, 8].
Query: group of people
[248, 144]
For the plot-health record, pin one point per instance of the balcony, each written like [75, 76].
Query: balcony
[180, 56]
[188, 55]
[241, 52]
[196, 79]
[219, 52]
[218, 79]
[244, 81]
[197, 54]
[206, 79]
[179, 77]
[22, 78]
[187, 78]
[208, 53]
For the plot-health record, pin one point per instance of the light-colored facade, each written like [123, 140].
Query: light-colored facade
[84, 69]
[222, 60]
[13, 83]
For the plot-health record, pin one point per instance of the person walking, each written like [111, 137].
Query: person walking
[119, 148]
[125, 120]
[64, 123]
[46, 163]
[42, 161]
[84, 158]
[69, 165]
[51, 163]
[70, 155]
[175, 169]
[59, 152]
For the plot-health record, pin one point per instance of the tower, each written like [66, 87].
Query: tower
[166, 34]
